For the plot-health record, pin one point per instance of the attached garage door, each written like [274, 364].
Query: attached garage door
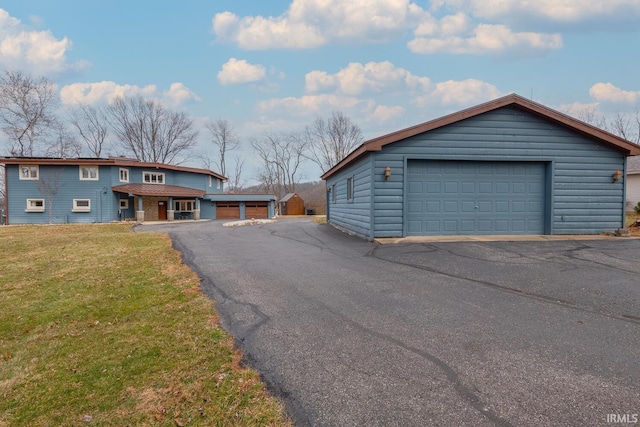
[227, 210]
[460, 197]
[256, 210]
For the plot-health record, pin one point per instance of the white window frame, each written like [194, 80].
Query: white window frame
[29, 169]
[180, 204]
[218, 183]
[88, 168]
[151, 176]
[123, 204]
[78, 208]
[124, 175]
[32, 205]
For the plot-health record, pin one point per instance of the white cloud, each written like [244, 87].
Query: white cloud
[459, 93]
[308, 105]
[375, 77]
[486, 38]
[561, 11]
[33, 51]
[178, 94]
[610, 93]
[238, 71]
[384, 113]
[105, 91]
[313, 23]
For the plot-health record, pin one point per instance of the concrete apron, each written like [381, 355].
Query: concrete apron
[497, 238]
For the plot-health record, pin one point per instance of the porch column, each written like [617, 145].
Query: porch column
[171, 213]
[196, 213]
[140, 211]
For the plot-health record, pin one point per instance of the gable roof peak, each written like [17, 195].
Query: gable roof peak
[512, 99]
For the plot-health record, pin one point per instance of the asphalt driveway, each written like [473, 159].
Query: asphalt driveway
[351, 333]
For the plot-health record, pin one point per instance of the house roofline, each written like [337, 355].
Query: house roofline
[586, 129]
[111, 161]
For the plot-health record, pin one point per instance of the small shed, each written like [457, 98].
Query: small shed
[292, 204]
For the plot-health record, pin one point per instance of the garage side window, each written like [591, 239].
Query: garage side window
[349, 188]
[334, 197]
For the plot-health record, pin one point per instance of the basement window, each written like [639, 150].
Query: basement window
[81, 205]
[35, 205]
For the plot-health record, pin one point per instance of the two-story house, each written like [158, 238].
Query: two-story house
[86, 190]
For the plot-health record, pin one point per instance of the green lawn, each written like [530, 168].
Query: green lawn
[102, 326]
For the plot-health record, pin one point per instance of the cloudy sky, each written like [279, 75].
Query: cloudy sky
[271, 66]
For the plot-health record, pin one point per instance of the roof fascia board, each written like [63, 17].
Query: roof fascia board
[588, 130]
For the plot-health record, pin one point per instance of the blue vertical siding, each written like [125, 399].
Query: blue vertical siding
[355, 214]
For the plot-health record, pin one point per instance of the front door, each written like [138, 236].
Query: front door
[162, 211]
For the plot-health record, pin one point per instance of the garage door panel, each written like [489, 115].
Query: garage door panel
[467, 197]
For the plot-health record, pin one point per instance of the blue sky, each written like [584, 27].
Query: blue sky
[274, 66]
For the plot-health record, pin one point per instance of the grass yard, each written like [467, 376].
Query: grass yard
[102, 326]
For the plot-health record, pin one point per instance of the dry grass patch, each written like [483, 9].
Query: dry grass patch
[102, 325]
[633, 218]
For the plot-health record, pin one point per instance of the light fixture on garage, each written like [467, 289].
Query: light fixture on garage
[387, 173]
[616, 176]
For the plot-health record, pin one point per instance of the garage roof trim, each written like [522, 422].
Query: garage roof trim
[376, 144]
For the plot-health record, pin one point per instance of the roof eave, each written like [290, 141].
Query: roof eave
[376, 144]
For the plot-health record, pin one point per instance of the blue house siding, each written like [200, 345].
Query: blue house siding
[572, 165]
[69, 187]
[103, 202]
[579, 204]
[354, 214]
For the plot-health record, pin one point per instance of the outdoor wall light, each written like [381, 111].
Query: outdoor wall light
[387, 173]
[616, 176]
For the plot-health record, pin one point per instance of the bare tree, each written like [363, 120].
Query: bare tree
[150, 132]
[281, 156]
[48, 185]
[64, 144]
[91, 123]
[27, 108]
[624, 125]
[331, 140]
[235, 180]
[224, 139]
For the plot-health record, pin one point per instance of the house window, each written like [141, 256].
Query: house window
[153, 178]
[81, 205]
[35, 205]
[29, 172]
[88, 173]
[184, 205]
[218, 183]
[124, 203]
[334, 196]
[350, 188]
[124, 175]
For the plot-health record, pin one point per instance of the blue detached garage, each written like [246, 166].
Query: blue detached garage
[509, 166]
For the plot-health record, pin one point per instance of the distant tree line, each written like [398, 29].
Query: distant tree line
[145, 129]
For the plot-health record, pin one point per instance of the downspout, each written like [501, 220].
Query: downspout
[6, 197]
